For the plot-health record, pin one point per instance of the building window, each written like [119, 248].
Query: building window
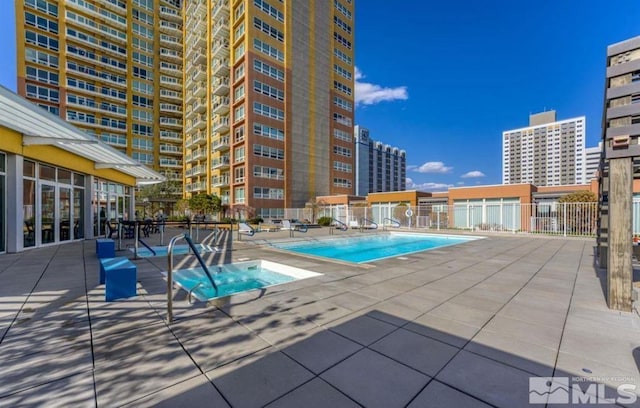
[238, 195]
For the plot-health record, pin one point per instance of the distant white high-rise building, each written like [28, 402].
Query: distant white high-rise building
[379, 167]
[546, 153]
[592, 162]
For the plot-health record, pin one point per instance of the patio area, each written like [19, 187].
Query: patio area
[462, 326]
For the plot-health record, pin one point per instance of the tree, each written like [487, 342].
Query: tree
[312, 207]
[583, 196]
[201, 203]
[578, 213]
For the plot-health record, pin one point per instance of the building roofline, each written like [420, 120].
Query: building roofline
[42, 127]
[584, 119]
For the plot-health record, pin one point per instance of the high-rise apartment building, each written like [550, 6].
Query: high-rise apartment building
[269, 101]
[110, 67]
[546, 153]
[379, 167]
[592, 161]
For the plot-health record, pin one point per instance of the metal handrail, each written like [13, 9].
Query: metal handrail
[395, 223]
[172, 243]
[170, 276]
[250, 232]
[343, 226]
[372, 224]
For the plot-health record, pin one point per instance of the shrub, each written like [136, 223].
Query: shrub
[325, 221]
[255, 220]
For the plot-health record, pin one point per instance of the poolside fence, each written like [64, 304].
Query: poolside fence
[563, 219]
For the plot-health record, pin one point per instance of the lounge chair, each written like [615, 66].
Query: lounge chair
[354, 224]
[245, 228]
[286, 225]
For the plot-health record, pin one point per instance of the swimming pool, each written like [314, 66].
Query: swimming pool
[373, 248]
[177, 250]
[237, 277]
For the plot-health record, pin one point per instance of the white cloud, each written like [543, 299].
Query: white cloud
[473, 174]
[460, 183]
[426, 186]
[431, 167]
[369, 94]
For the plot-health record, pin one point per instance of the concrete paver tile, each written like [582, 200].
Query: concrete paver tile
[374, 381]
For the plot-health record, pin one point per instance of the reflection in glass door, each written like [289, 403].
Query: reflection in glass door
[78, 213]
[64, 215]
[48, 213]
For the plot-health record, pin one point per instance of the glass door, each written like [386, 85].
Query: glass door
[78, 213]
[47, 213]
[64, 213]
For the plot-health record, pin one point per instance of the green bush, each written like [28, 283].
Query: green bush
[228, 220]
[325, 221]
[178, 218]
[255, 220]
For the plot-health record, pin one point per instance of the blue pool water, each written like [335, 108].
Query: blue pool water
[229, 279]
[177, 250]
[372, 248]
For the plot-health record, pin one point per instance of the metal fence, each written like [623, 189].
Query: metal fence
[550, 218]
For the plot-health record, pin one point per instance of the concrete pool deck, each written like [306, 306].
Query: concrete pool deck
[462, 326]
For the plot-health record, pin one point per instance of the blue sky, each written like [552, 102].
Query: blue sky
[461, 72]
[443, 79]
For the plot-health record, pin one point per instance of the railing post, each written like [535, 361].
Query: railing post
[564, 214]
[119, 236]
[438, 218]
[136, 236]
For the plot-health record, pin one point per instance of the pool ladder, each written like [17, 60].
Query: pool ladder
[172, 243]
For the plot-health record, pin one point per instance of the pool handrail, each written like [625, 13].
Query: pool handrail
[394, 223]
[147, 246]
[343, 226]
[200, 260]
[170, 271]
[372, 223]
[244, 227]
[302, 227]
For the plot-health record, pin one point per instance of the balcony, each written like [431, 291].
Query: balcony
[170, 108]
[170, 95]
[199, 89]
[199, 154]
[199, 74]
[220, 86]
[172, 163]
[198, 122]
[220, 49]
[170, 136]
[220, 67]
[220, 10]
[170, 149]
[170, 82]
[170, 14]
[220, 181]
[170, 28]
[116, 5]
[220, 124]
[196, 171]
[198, 138]
[170, 42]
[199, 186]
[170, 69]
[164, 121]
[220, 29]
[220, 144]
[173, 55]
[221, 162]
[220, 105]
